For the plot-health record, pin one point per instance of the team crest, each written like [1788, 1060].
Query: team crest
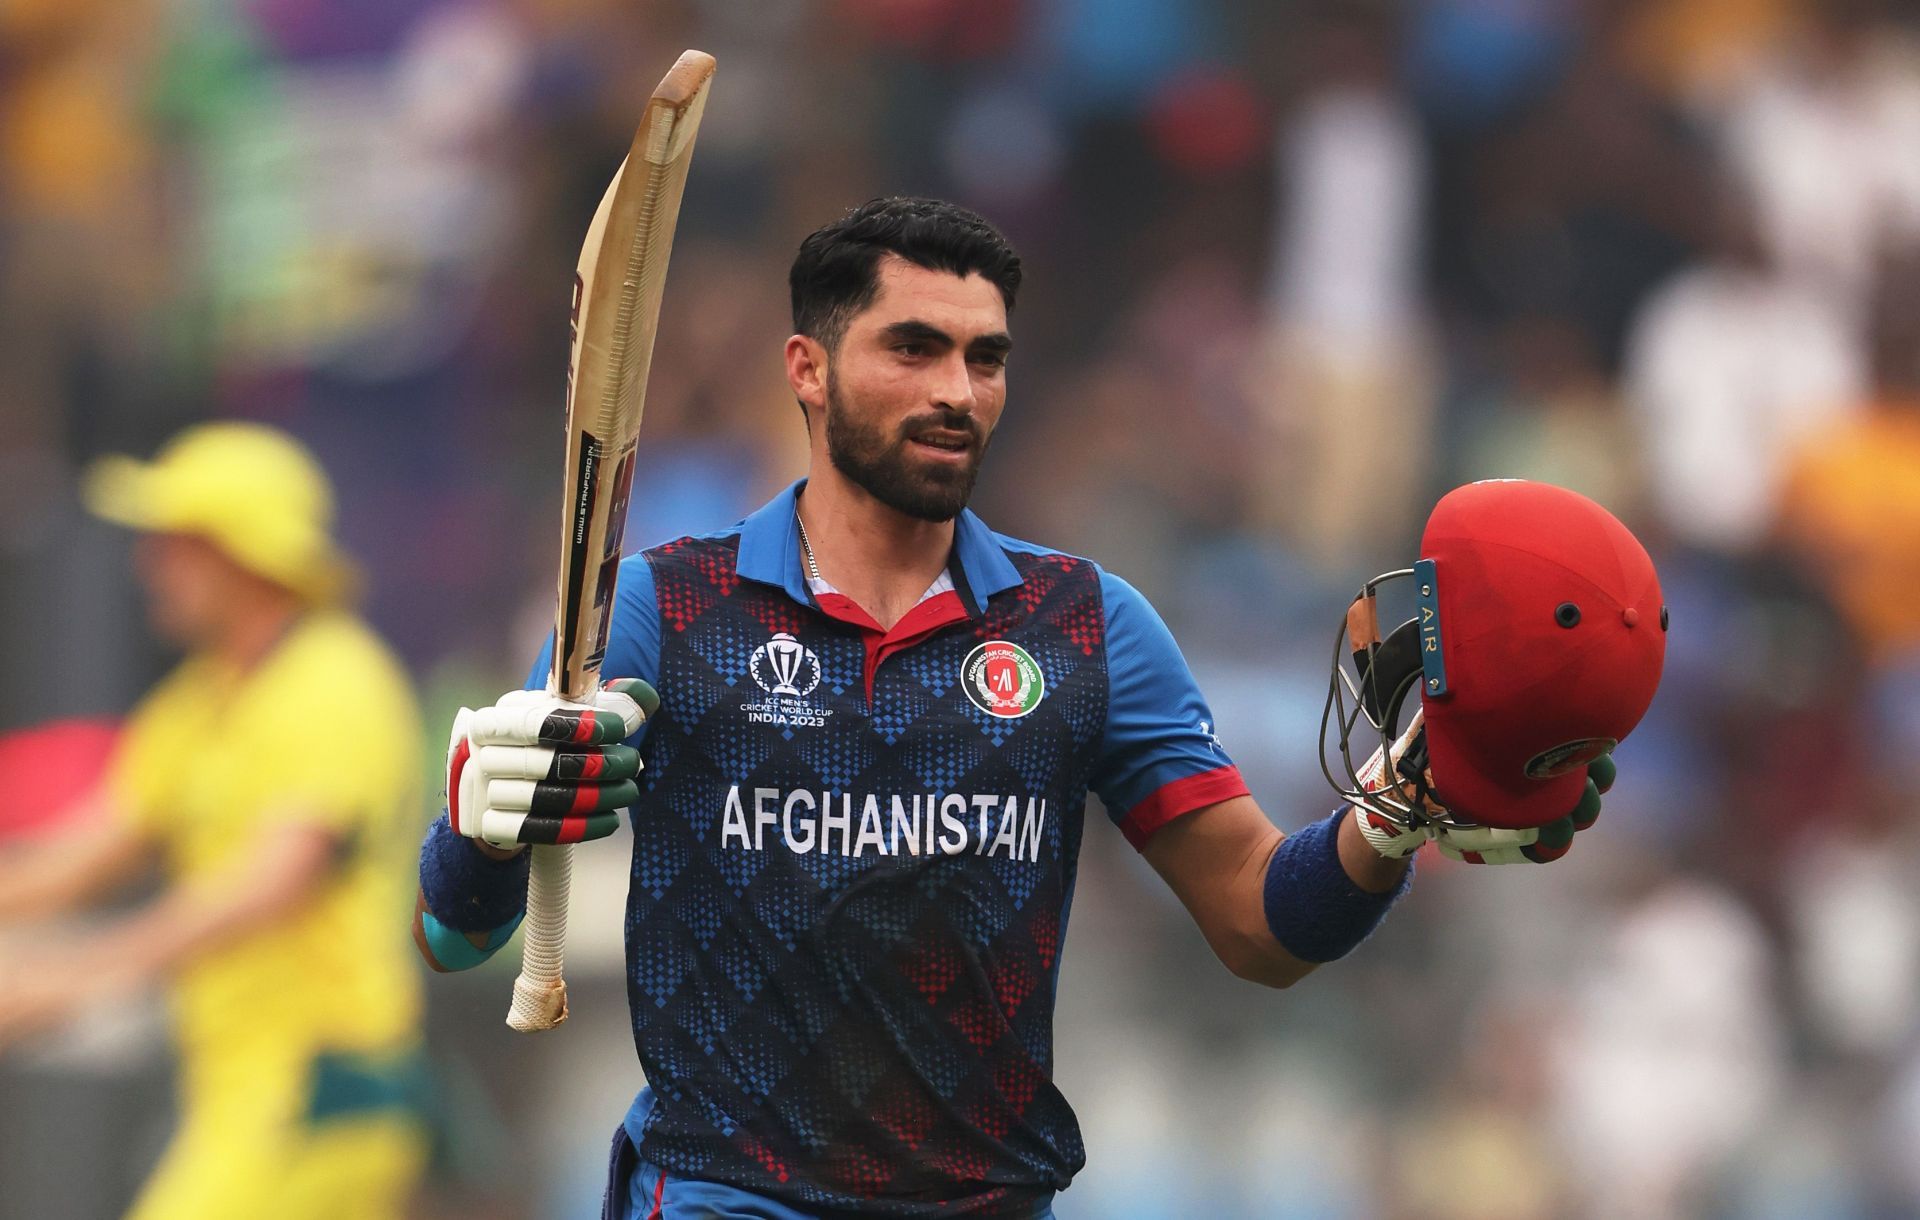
[1003, 680]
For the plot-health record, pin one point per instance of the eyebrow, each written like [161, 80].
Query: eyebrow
[912, 330]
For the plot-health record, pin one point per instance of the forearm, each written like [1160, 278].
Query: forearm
[1322, 892]
[176, 929]
[49, 878]
[36, 885]
[470, 899]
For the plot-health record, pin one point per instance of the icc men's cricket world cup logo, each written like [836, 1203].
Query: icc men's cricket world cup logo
[793, 668]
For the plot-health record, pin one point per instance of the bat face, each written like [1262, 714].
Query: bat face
[616, 311]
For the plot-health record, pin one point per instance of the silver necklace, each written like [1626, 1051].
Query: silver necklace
[806, 547]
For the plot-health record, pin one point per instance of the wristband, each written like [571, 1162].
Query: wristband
[1313, 908]
[454, 951]
[465, 889]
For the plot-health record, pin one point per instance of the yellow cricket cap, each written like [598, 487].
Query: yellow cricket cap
[252, 490]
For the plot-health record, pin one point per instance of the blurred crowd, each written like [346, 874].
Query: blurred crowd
[1294, 269]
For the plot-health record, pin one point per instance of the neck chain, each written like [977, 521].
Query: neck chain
[806, 548]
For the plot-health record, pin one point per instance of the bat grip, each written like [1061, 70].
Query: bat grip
[540, 993]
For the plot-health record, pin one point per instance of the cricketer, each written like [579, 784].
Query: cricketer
[272, 779]
[869, 725]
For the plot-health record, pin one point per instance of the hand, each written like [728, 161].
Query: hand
[42, 990]
[1395, 839]
[1543, 845]
[533, 768]
[1473, 845]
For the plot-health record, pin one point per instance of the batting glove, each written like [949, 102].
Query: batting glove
[1476, 844]
[1392, 839]
[534, 768]
[1486, 845]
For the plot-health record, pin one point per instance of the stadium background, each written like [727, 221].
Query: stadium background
[1293, 270]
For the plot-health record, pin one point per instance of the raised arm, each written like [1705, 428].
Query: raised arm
[530, 770]
[1272, 906]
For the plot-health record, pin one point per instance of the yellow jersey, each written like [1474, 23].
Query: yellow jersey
[323, 730]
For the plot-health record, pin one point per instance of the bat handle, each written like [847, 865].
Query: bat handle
[540, 993]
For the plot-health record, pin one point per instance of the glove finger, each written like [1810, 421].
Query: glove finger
[594, 726]
[514, 762]
[539, 828]
[559, 799]
[1602, 771]
[1491, 855]
[1556, 839]
[1555, 835]
[604, 765]
[1588, 810]
[508, 829]
[643, 695]
[596, 764]
[1487, 838]
[542, 722]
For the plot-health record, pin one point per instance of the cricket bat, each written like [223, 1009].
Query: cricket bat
[616, 310]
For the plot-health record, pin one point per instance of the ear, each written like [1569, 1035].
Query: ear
[807, 372]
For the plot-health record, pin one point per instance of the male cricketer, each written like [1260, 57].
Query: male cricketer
[856, 830]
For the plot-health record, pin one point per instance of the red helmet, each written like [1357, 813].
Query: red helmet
[1537, 642]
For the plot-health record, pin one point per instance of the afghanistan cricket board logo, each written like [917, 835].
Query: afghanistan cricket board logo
[1003, 680]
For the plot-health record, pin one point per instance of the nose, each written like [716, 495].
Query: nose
[953, 386]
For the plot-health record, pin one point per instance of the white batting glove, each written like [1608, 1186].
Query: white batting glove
[1540, 845]
[533, 768]
[1391, 839]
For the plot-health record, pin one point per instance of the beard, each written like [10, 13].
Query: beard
[882, 464]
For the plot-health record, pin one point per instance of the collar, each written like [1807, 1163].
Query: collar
[770, 552]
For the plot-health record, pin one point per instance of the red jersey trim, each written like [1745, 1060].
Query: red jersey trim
[1179, 798]
[940, 610]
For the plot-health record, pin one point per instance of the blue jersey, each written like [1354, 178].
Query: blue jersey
[854, 852]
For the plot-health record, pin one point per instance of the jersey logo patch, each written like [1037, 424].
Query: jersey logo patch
[1003, 680]
[794, 668]
[788, 671]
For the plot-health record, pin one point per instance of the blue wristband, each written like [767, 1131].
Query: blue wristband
[465, 889]
[454, 951]
[1313, 908]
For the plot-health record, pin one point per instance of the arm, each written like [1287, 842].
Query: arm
[282, 873]
[1217, 861]
[1271, 906]
[472, 897]
[473, 893]
[64, 871]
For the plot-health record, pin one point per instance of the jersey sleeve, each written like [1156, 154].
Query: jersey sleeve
[633, 640]
[1159, 757]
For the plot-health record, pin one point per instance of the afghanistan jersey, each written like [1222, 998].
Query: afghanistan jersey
[854, 851]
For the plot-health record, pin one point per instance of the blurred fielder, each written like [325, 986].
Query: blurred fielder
[876, 725]
[272, 778]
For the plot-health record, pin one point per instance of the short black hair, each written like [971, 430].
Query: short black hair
[835, 274]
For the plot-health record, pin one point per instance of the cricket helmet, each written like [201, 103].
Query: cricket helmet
[1536, 645]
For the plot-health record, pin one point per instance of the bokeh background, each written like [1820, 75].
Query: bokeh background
[1294, 269]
